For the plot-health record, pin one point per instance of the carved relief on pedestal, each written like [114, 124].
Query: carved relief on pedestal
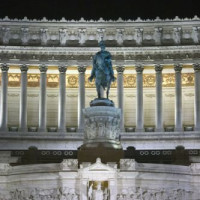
[102, 122]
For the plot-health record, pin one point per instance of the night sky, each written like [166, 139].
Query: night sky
[94, 9]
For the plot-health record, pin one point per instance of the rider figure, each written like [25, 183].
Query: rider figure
[102, 70]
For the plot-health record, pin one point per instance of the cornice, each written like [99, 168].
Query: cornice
[101, 20]
[75, 56]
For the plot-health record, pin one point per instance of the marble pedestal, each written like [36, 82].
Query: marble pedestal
[101, 136]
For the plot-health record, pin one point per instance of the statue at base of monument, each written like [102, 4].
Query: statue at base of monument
[102, 70]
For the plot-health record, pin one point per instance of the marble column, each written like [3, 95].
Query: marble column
[120, 93]
[159, 107]
[81, 97]
[197, 97]
[62, 99]
[42, 100]
[4, 103]
[23, 99]
[178, 100]
[139, 105]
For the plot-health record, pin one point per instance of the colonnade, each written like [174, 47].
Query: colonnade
[81, 98]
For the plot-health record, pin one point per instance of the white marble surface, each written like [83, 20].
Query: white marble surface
[71, 141]
[131, 181]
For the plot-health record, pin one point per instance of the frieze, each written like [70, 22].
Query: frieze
[137, 193]
[40, 194]
[149, 80]
[33, 80]
[14, 80]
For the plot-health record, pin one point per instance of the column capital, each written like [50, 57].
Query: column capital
[82, 69]
[158, 68]
[24, 68]
[196, 66]
[139, 68]
[120, 69]
[43, 68]
[62, 69]
[178, 67]
[4, 67]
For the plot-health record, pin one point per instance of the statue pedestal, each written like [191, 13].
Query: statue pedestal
[101, 136]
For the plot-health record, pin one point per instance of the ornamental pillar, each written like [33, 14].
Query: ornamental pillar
[4, 99]
[197, 97]
[81, 97]
[62, 99]
[120, 93]
[159, 106]
[178, 101]
[23, 99]
[42, 100]
[139, 105]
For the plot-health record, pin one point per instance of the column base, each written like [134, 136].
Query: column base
[196, 128]
[122, 130]
[81, 130]
[42, 130]
[159, 130]
[139, 130]
[23, 130]
[62, 130]
[3, 129]
[178, 129]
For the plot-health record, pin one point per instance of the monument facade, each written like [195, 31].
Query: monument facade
[60, 140]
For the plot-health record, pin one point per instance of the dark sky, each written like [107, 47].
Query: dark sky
[94, 9]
